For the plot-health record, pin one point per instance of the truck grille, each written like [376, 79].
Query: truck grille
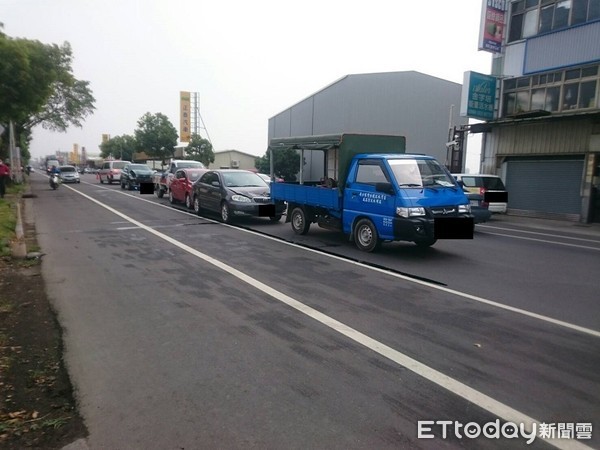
[445, 211]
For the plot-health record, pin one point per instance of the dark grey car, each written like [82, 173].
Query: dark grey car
[234, 193]
[133, 175]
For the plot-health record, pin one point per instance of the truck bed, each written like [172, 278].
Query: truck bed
[306, 195]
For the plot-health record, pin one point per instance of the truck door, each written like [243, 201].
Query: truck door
[362, 198]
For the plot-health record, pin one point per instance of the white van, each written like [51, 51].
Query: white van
[111, 171]
[490, 186]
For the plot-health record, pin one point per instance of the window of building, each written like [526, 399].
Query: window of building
[530, 23]
[593, 10]
[515, 31]
[567, 90]
[552, 97]
[561, 14]
[579, 14]
[587, 94]
[546, 18]
[531, 17]
[570, 96]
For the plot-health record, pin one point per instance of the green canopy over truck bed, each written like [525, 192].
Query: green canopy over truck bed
[346, 145]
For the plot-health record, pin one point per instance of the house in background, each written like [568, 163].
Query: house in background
[233, 159]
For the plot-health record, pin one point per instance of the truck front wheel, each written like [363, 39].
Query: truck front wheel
[366, 237]
[300, 224]
[426, 242]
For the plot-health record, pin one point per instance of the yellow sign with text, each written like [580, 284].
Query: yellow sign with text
[184, 116]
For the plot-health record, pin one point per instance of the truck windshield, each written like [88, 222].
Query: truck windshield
[419, 173]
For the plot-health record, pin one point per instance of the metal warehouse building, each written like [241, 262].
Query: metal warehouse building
[410, 104]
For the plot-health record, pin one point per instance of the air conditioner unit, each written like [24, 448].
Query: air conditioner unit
[235, 163]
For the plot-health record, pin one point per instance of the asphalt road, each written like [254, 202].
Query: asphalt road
[181, 332]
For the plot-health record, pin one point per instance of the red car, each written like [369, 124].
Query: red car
[180, 189]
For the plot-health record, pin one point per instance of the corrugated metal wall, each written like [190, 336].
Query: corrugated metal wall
[411, 104]
[545, 186]
[563, 48]
[548, 138]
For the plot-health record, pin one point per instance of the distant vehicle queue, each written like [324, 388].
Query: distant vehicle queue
[458, 201]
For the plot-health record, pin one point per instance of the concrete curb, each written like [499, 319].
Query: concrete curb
[79, 444]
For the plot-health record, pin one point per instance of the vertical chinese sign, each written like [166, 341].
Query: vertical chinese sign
[184, 116]
[478, 96]
[493, 24]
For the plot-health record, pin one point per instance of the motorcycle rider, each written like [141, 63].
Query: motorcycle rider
[54, 171]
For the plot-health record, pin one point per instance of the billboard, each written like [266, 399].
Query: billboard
[184, 116]
[478, 96]
[492, 26]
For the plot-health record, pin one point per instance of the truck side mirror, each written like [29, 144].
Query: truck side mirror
[386, 188]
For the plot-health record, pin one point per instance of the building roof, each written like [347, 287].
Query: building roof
[369, 75]
[235, 151]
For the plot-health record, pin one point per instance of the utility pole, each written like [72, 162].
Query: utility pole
[456, 149]
[15, 155]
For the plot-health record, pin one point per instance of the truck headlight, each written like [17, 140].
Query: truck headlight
[410, 212]
[240, 198]
[464, 208]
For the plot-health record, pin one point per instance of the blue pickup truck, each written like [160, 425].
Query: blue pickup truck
[373, 191]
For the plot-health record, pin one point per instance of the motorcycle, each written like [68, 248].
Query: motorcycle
[54, 181]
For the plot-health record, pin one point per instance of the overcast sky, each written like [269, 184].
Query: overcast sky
[248, 60]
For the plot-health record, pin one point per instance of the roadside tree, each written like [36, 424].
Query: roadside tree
[38, 88]
[156, 136]
[120, 147]
[200, 149]
[287, 164]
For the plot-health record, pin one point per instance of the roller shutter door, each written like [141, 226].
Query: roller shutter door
[549, 186]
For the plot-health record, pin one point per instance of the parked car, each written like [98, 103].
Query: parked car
[490, 187]
[233, 193]
[180, 189]
[69, 174]
[134, 174]
[111, 171]
[479, 208]
[162, 181]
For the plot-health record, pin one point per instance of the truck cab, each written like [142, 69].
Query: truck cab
[401, 197]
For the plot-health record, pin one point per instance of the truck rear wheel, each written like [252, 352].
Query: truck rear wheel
[300, 224]
[366, 237]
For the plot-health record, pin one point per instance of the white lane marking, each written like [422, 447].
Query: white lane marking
[484, 401]
[475, 298]
[543, 240]
[538, 233]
